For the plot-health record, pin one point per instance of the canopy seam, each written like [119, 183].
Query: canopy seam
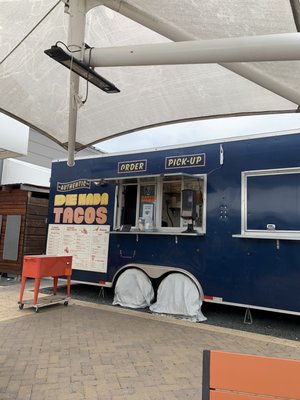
[30, 32]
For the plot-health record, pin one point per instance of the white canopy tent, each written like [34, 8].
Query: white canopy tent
[236, 57]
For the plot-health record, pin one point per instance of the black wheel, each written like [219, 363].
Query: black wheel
[21, 306]
[66, 303]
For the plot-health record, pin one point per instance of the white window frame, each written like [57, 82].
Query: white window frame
[263, 233]
[158, 182]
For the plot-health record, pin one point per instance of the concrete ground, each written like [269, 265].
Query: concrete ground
[91, 351]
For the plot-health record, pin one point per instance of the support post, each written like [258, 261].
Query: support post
[77, 13]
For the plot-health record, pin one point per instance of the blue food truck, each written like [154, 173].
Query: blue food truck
[225, 214]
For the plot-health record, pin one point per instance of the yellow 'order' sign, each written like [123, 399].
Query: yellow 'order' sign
[132, 166]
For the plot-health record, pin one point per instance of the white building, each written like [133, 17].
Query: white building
[26, 155]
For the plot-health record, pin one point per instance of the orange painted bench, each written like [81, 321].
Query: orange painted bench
[235, 376]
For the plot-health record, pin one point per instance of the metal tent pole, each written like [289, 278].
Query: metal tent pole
[176, 34]
[280, 47]
[77, 12]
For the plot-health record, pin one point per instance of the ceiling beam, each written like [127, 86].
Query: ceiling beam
[279, 47]
[176, 34]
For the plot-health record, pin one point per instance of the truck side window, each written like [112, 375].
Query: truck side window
[197, 186]
[171, 200]
[171, 203]
[156, 201]
[148, 204]
[272, 201]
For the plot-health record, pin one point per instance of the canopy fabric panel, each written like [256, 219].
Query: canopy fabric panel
[35, 89]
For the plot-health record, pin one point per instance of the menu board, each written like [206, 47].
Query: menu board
[88, 244]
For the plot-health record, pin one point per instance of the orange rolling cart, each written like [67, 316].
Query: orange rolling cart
[42, 266]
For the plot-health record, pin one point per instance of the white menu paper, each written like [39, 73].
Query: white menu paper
[88, 244]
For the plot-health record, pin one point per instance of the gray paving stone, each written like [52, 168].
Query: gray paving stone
[91, 352]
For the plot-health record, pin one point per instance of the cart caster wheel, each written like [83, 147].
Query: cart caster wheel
[21, 306]
[66, 303]
[36, 310]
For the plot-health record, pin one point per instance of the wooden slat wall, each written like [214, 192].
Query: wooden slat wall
[33, 209]
[12, 202]
[36, 226]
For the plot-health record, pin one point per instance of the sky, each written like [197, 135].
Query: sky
[181, 133]
[195, 131]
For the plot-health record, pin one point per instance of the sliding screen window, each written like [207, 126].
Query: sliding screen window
[157, 200]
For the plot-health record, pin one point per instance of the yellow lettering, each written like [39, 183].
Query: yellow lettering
[59, 200]
[81, 199]
[97, 199]
[92, 199]
[104, 199]
[89, 199]
[71, 199]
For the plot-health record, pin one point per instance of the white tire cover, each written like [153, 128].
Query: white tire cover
[177, 294]
[133, 289]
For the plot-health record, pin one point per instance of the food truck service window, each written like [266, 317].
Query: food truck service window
[271, 201]
[154, 203]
